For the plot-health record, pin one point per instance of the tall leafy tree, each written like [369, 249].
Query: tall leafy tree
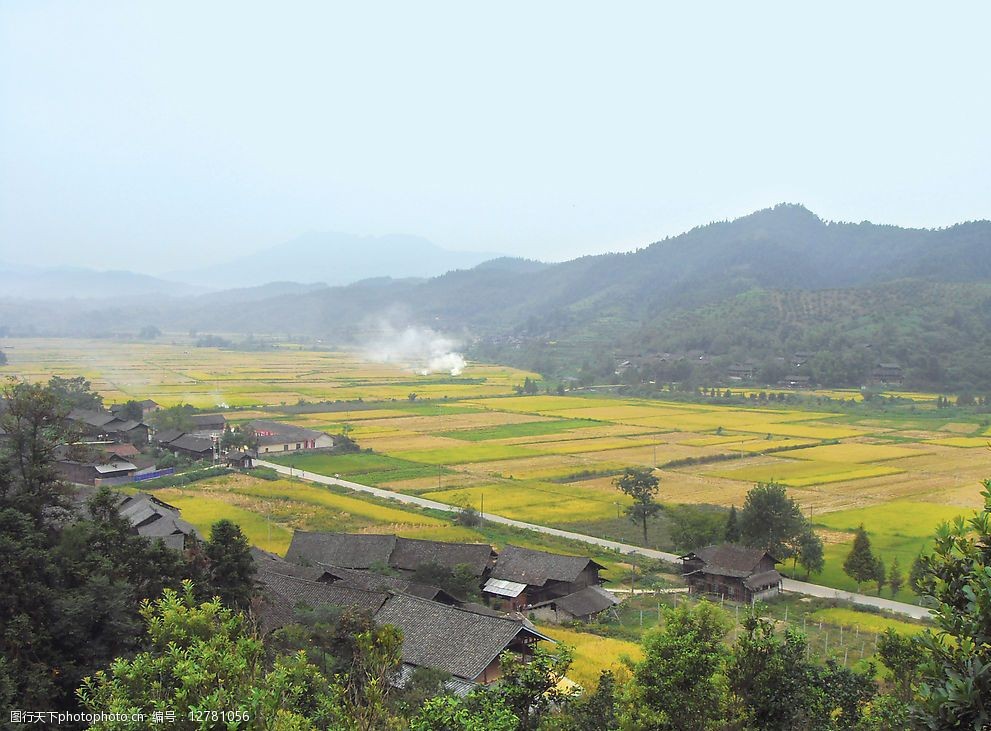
[75, 393]
[680, 685]
[642, 485]
[861, 563]
[771, 520]
[810, 552]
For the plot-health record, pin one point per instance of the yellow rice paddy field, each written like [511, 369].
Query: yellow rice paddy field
[545, 458]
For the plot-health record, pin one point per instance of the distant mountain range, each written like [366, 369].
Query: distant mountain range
[756, 288]
[335, 259]
[59, 283]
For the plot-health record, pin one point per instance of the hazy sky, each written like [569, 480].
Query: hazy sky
[156, 135]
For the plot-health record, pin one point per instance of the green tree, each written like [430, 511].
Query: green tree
[732, 532]
[903, 656]
[771, 520]
[204, 657]
[131, 410]
[529, 688]
[459, 581]
[480, 711]
[149, 332]
[641, 485]
[895, 577]
[861, 564]
[694, 526]
[75, 393]
[956, 677]
[177, 417]
[917, 575]
[680, 685]
[810, 552]
[771, 678]
[880, 575]
[232, 569]
[595, 711]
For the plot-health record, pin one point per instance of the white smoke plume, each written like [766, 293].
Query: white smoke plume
[421, 349]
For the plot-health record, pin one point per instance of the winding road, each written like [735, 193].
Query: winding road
[798, 587]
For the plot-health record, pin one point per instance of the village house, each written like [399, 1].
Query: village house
[523, 577]
[887, 373]
[92, 473]
[208, 425]
[582, 606]
[275, 437]
[239, 460]
[742, 372]
[155, 519]
[733, 572]
[97, 424]
[191, 446]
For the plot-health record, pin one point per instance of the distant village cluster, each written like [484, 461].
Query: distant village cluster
[116, 449]
[792, 372]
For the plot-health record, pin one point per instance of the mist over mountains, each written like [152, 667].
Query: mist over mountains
[335, 259]
[778, 280]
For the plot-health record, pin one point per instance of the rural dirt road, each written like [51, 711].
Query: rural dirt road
[798, 587]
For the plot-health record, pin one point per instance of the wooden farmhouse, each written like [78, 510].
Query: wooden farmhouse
[523, 577]
[731, 571]
[276, 437]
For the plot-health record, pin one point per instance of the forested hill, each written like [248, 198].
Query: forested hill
[784, 267]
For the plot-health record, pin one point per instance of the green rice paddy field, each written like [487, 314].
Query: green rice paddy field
[548, 458]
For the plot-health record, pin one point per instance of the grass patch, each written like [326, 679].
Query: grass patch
[466, 454]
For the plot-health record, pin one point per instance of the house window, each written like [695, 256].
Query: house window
[297, 445]
[285, 447]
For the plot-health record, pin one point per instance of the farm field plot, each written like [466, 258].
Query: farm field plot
[963, 442]
[802, 473]
[534, 501]
[524, 429]
[577, 446]
[855, 452]
[471, 452]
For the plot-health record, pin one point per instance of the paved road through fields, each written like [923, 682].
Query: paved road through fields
[798, 587]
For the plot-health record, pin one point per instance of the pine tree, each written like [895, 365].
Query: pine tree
[732, 534]
[860, 564]
[879, 574]
[232, 569]
[895, 578]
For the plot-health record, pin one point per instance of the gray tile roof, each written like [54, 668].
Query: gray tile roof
[377, 582]
[454, 640]
[314, 593]
[762, 580]
[586, 603]
[281, 431]
[411, 553]
[347, 550]
[536, 568]
[729, 559]
[189, 443]
[167, 435]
